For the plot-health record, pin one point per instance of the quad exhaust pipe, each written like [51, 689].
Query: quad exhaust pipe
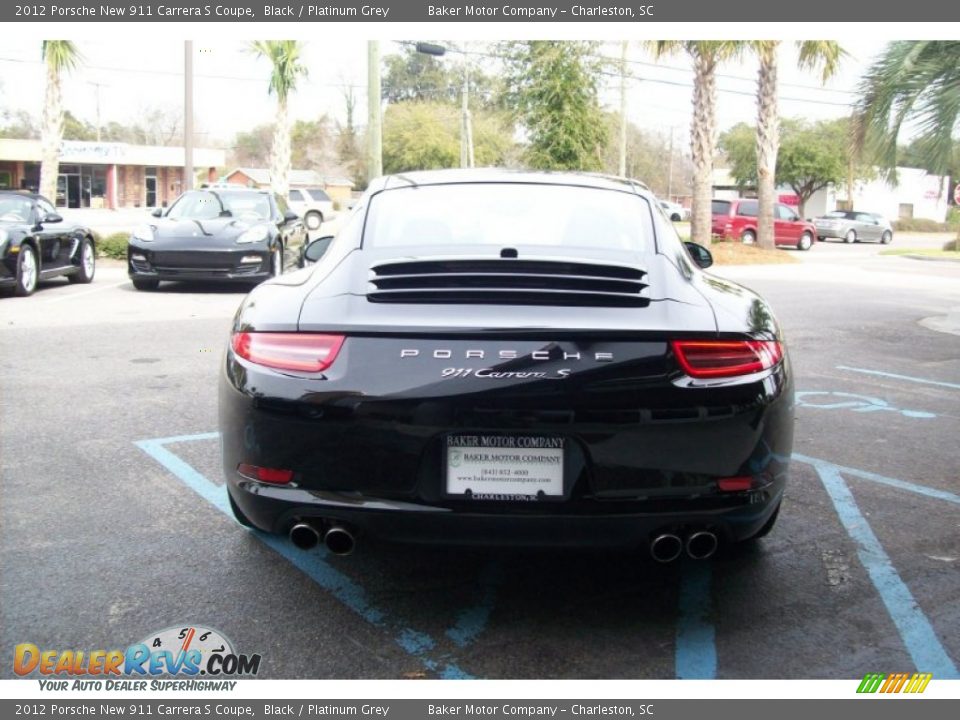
[338, 539]
[699, 545]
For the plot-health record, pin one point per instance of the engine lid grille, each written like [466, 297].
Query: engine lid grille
[507, 281]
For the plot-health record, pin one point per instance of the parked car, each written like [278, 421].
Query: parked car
[501, 358]
[737, 219]
[853, 226]
[675, 211]
[215, 234]
[36, 244]
[312, 204]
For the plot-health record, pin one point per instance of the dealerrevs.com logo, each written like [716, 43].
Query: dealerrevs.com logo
[186, 652]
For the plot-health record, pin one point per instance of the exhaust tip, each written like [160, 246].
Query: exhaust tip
[304, 536]
[666, 548]
[339, 540]
[701, 545]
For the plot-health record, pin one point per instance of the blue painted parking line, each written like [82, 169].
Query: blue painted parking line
[896, 376]
[930, 492]
[472, 621]
[417, 644]
[696, 650]
[915, 630]
[855, 403]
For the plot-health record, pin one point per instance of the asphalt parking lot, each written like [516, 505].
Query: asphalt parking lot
[113, 521]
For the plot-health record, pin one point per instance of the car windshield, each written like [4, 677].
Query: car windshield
[509, 215]
[206, 205]
[15, 209]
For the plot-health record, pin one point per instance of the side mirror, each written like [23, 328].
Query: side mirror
[157, 212]
[52, 218]
[315, 250]
[701, 256]
[290, 216]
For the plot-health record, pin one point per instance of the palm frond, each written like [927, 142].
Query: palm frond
[60, 54]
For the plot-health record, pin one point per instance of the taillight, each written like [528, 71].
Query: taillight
[304, 352]
[274, 476]
[726, 358]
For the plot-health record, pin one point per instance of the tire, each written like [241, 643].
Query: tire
[28, 271]
[886, 237]
[145, 284]
[850, 237]
[88, 263]
[313, 220]
[749, 237]
[820, 238]
[675, 218]
[238, 513]
[767, 526]
[806, 241]
[276, 261]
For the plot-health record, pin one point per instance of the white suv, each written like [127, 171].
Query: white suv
[312, 204]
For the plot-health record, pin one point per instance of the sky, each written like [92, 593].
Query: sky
[133, 75]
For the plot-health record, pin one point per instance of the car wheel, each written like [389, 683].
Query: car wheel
[749, 237]
[313, 220]
[850, 237]
[27, 271]
[238, 513]
[88, 264]
[276, 261]
[806, 241]
[145, 284]
[675, 217]
[886, 237]
[767, 526]
[820, 238]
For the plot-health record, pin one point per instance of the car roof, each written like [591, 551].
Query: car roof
[23, 193]
[495, 175]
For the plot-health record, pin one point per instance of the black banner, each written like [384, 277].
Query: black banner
[420, 11]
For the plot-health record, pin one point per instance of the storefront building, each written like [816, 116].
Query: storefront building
[104, 174]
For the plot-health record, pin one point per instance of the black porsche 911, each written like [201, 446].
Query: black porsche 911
[497, 358]
[223, 234]
[36, 244]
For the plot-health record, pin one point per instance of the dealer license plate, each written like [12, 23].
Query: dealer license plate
[504, 467]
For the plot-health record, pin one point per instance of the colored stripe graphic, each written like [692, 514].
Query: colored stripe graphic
[894, 683]
[870, 682]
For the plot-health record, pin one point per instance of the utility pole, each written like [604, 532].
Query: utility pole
[187, 115]
[623, 109]
[97, 85]
[374, 137]
[670, 168]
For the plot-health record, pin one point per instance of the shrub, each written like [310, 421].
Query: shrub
[952, 245]
[918, 225]
[113, 245]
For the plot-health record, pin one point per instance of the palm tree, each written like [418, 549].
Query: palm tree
[911, 80]
[59, 55]
[706, 56]
[285, 57]
[822, 55]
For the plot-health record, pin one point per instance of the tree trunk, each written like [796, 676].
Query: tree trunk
[768, 142]
[703, 140]
[280, 155]
[51, 136]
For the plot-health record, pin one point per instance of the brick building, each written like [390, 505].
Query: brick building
[106, 174]
[338, 188]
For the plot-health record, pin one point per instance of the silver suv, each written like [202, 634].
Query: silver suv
[312, 204]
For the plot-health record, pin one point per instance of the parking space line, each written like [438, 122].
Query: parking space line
[472, 621]
[71, 296]
[895, 376]
[915, 630]
[874, 477]
[696, 651]
[415, 643]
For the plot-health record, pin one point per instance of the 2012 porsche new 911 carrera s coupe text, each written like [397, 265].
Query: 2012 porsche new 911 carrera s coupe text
[497, 358]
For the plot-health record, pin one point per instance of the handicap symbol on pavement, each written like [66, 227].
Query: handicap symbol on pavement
[856, 403]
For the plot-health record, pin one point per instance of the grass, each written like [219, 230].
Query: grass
[925, 252]
[735, 253]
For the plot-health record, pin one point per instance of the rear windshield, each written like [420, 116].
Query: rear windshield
[318, 194]
[721, 207]
[509, 215]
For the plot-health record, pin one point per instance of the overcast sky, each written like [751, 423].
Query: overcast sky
[230, 84]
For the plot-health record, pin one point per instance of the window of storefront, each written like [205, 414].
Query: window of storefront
[82, 186]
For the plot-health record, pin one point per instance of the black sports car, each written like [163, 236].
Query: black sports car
[486, 357]
[215, 234]
[36, 244]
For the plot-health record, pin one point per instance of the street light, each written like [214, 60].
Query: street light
[466, 127]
